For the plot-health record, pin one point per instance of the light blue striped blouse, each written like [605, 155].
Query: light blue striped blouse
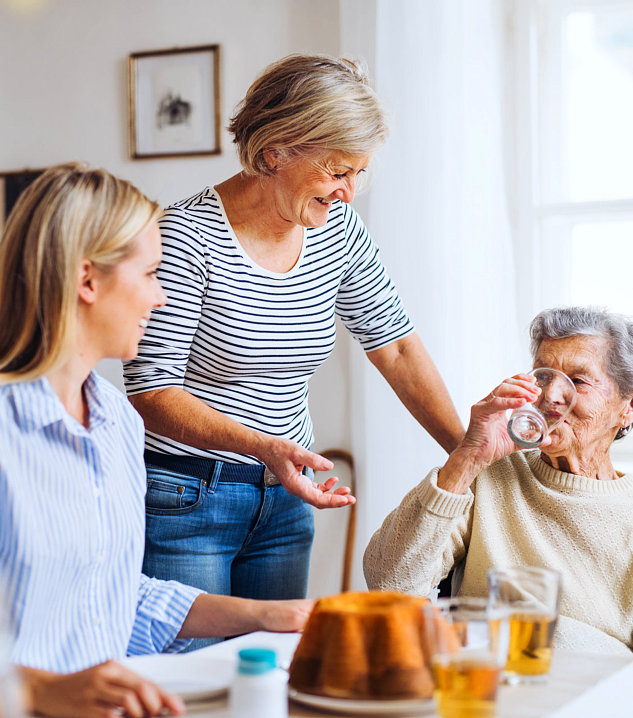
[72, 522]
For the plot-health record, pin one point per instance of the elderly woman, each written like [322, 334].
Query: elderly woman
[256, 269]
[563, 506]
[78, 282]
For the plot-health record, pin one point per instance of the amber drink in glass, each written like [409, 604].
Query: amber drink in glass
[468, 646]
[531, 596]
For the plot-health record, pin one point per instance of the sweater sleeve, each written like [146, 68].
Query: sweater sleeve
[420, 541]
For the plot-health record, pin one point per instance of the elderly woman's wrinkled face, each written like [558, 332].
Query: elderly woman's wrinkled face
[303, 190]
[599, 410]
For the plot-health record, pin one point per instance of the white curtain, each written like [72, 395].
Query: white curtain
[438, 209]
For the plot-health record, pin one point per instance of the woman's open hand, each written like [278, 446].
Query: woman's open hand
[286, 460]
[486, 439]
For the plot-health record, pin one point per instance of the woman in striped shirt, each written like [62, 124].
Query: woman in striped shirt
[77, 284]
[255, 270]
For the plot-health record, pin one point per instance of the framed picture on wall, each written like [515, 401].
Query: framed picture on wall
[11, 186]
[174, 102]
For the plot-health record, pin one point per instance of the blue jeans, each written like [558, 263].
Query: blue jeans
[227, 537]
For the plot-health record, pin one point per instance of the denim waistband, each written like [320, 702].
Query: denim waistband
[200, 467]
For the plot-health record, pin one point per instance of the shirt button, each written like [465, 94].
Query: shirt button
[96, 621]
[99, 558]
[97, 493]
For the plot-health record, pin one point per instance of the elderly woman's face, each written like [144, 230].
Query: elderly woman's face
[599, 410]
[304, 189]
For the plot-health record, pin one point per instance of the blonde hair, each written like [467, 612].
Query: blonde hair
[307, 104]
[70, 213]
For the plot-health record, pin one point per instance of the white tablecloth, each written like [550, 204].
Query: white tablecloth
[580, 685]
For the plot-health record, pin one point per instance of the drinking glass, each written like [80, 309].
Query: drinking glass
[530, 424]
[530, 596]
[468, 645]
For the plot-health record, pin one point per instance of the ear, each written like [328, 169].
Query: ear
[86, 282]
[271, 158]
[627, 414]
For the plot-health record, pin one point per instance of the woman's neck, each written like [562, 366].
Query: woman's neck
[67, 382]
[250, 210]
[269, 239]
[594, 467]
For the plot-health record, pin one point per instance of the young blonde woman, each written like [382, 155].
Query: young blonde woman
[78, 283]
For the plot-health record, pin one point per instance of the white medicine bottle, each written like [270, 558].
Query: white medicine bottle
[259, 689]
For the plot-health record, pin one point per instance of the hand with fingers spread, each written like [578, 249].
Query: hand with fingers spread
[286, 460]
[486, 439]
[107, 690]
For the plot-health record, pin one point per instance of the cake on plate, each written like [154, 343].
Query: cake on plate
[364, 646]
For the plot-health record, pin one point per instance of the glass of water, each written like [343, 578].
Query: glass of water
[531, 423]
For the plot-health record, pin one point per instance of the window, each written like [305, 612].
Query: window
[574, 129]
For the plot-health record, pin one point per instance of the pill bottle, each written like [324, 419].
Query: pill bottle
[259, 689]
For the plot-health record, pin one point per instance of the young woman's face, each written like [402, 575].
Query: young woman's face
[127, 296]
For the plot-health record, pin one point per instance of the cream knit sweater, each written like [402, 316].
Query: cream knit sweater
[520, 511]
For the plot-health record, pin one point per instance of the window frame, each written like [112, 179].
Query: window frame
[535, 81]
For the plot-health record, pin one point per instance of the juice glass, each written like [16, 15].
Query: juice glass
[531, 597]
[468, 646]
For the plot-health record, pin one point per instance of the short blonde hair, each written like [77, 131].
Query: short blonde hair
[307, 104]
[70, 213]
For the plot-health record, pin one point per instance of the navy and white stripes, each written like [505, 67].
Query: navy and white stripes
[246, 340]
[72, 519]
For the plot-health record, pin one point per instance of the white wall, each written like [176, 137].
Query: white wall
[64, 75]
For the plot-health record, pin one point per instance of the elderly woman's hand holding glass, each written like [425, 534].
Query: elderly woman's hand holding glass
[487, 439]
[562, 506]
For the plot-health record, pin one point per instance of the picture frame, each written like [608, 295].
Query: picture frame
[174, 102]
[12, 184]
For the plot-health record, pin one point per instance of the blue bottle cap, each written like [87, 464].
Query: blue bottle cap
[256, 660]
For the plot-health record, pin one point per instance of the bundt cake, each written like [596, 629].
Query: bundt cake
[364, 646]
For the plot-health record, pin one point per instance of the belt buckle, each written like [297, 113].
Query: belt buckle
[269, 478]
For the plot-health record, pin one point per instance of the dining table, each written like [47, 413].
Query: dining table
[579, 685]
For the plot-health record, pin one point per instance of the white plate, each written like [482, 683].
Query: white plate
[192, 676]
[410, 707]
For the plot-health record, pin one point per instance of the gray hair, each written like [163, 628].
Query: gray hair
[307, 104]
[617, 329]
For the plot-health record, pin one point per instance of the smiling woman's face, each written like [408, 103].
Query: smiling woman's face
[304, 189]
[599, 410]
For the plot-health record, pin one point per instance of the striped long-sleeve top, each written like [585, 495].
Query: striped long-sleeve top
[72, 519]
[245, 340]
